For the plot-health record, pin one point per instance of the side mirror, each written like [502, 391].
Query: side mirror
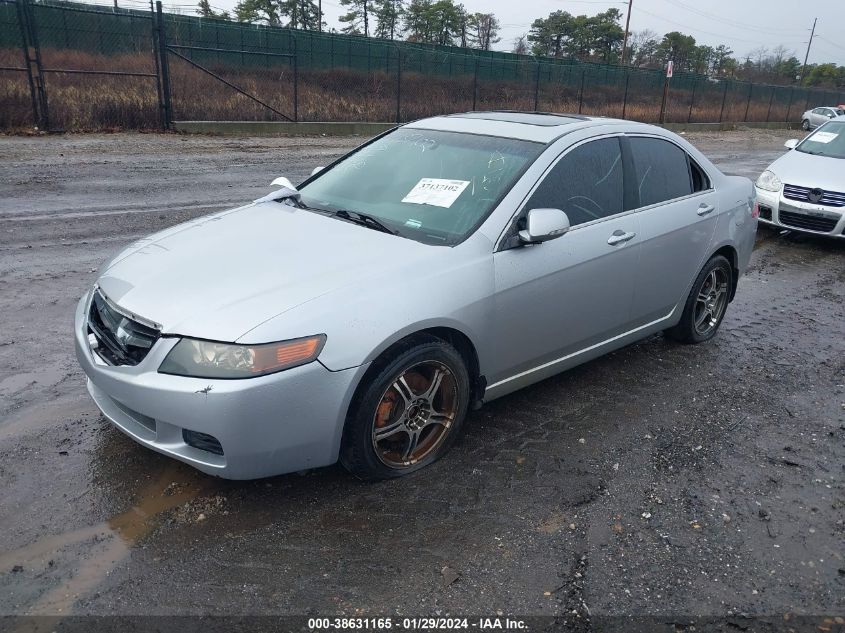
[791, 143]
[281, 181]
[317, 170]
[542, 225]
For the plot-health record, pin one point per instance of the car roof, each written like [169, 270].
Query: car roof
[541, 127]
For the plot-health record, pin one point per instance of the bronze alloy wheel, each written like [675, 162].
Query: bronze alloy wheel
[711, 302]
[415, 414]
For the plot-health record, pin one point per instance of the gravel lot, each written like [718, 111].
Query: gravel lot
[662, 480]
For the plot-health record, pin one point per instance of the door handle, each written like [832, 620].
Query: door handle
[704, 208]
[619, 237]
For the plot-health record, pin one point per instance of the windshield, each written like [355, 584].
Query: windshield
[828, 140]
[431, 186]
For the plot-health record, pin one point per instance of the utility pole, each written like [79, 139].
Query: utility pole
[320, 16]
[627, 24]
[807, 56]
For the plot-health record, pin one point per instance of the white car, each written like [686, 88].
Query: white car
[812, 119]
[804, 189]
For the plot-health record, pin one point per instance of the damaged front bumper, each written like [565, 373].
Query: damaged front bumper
[235, 429]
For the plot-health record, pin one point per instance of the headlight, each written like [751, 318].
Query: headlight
[207, 359]
[769, 181]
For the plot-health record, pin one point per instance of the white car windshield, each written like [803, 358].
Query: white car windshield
[431, 186]
[828, 140]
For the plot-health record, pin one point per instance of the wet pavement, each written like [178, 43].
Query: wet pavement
[661, 479]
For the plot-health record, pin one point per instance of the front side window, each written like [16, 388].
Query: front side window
[431, 186]
[662, 170]
[587, 183]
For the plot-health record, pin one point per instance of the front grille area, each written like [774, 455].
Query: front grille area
[809, 222]
[202, 441]
[828, 198]
[120, 339]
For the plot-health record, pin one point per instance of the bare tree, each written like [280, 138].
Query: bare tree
[520, 45]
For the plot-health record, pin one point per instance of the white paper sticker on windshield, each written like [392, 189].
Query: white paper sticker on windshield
[823, 137]
[438, 192]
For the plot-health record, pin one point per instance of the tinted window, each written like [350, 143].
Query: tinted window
[662, 170]
[700, 181]
[586, 183]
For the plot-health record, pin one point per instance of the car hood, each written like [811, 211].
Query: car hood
[807, 170]
[222, 275]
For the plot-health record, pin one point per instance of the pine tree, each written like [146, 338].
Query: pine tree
[357, 18]
[388, 14]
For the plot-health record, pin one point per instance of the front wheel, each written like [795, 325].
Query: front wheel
[409, 413]
[706, 304]
[805, 125]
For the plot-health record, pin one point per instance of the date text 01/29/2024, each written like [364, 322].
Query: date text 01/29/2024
[415, 624]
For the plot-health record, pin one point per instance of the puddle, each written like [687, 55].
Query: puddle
[89, 554]
[49, 377]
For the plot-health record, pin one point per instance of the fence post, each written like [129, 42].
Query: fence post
[625, 98]
[789, 109]
[475, 84]
[664, 100]
[724, 99]
[296, 77]
[537, 86]
[771, 100]
[165, 68]
[36, 116]
[748, 103]
[692, 100]
[581, 92]
[38, 91]
[398, 85]
[156, 57]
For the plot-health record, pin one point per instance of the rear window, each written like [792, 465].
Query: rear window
[662, 170]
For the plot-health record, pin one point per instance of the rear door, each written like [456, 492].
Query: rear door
[678, 211]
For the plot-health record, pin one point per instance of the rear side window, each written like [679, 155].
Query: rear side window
[587, 183]
[662, 170]
[700, 181]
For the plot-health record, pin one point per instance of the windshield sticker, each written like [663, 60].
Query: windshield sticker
[823, 137]
[414, 224]
[438, 192]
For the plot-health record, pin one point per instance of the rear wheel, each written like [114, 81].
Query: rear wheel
[706, 304]
[805, 125]
[409, 413]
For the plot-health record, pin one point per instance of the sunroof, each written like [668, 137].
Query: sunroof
[528, 118]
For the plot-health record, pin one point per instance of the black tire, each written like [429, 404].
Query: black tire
[805, 125]
[691, 328]
[362, 454]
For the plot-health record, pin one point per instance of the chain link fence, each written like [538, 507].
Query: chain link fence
[73, 66]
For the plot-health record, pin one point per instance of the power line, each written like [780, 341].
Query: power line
[721, 36]
[732, 23]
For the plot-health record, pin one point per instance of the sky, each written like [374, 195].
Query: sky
[743, 25]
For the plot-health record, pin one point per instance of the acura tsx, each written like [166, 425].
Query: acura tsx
[445, 263]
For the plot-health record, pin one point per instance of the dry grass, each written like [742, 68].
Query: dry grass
[95, 102]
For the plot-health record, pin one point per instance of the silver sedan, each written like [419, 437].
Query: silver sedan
[443, 264]
[812, 119]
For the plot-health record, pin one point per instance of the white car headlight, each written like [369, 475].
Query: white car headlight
[207, 359]
[769, 181]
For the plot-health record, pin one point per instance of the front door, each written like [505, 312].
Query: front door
[558, 297]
